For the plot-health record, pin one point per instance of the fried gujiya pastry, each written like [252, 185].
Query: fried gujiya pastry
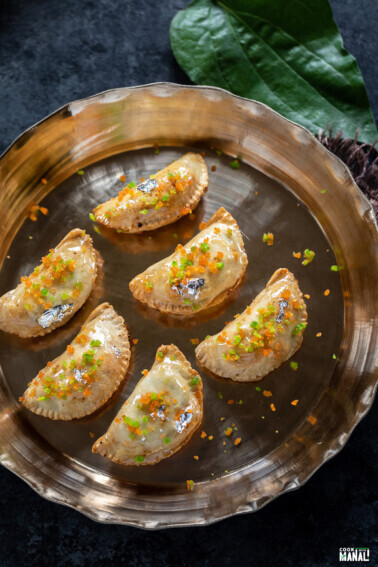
[259, 340]
[85, 376]
[198, 275]
[162, 199]
[159, 417]
[54, 291]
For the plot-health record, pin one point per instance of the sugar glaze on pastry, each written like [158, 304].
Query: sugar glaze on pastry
[160, 200]
[54, 291]
[199, 274]
[89, 371]
[261, 338]
[159, 417]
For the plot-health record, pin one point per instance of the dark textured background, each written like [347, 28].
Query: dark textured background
[55, 51]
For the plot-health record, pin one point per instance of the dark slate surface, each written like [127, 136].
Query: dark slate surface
[52, 52]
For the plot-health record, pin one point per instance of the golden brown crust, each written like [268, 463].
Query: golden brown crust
[115, 369]
[251, 367]
[108, 447]
[131, 221]
[11, 312]
[137, 284]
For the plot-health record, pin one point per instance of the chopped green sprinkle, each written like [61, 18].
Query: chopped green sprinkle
[143, 212]
[92, 217]
[173, 357]
[219, 265]
[95, 343]
[145, 419]
[167, 440]
[294, 365]
[235, 164]
[41, 398]
[323, 191]
[237, 339]
[44, 292]
[80, 172]
[175, 236]
[204, 247]
[310, 255]
[160, 355]
[334, 357]
[258, 388]
[187, 301]
[194, 381]
[334, 268]
[165, 197]
[139, 459]
[144, 431]
[220, 395]
[298, 329]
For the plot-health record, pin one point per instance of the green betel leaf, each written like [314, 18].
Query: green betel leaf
[287, 54]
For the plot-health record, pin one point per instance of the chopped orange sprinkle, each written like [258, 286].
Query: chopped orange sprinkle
[267, 393]
[122, 178]
[43, 210]
[294, 402]
[213, 267]
[21, 399]
[47, 305]
[297, 254]
[211, 437]
[217, 231]
[327, 292]
[190, 484]
[202, 225]
[230, 402]
[92, 434]
[237, 440]
[272, 407]
[185, 211]
[192, 217]
[145, 372]
[44, 181]
[285, 294]
[220, 255]
[312, 419]
[194, 341]
[70, 349]
[318, 334]
[203, 435]
[195, 457]
[307, 296]
[135, 341]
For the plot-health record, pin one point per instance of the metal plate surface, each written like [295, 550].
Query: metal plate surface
[278, 188]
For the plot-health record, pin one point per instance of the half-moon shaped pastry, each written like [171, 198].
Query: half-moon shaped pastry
[259, 340]
[198, 275]
[162, 199]
[159, 417]
[54, 291]
[85, 376]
